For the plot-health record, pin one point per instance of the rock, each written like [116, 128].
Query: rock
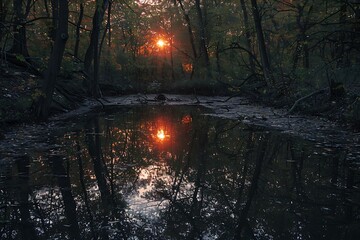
[160, 97]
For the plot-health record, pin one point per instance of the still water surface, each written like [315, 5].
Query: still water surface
[175, 173]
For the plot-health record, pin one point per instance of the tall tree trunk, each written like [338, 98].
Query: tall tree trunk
[172, 45]
[218, 64]
[95, 89]
[306, 61]
[302, 46]
[92, 53]
[355, 35]
[77, 34]
[261, 43]
[3, 13]
[202, 41]
[54, 11]
[44, 101]
[47, 8]
[189, 28]
[340, 45]
[19, 40]
[299, 46]
[191, 35]
[107, 29]
[247, 34]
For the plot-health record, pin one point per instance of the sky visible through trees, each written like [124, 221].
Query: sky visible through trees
[283, 47]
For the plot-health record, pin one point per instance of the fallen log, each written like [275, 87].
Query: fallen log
[304, 98]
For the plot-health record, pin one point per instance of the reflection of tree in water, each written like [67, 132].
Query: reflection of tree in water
[229, 186]
[111, 205]
[213, 191]
[210, 178]
[63, 181]
[111, 156]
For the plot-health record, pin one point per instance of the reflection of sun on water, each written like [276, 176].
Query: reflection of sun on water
[186, 119]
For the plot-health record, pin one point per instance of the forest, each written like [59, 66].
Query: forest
[180, 119]
[54, 54]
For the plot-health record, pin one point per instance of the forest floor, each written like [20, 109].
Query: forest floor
[17, 92]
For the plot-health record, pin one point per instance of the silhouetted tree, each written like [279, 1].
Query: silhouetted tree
[91, 61]
[54, 64]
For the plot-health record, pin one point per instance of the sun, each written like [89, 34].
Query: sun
[160, 43]
[161, 134]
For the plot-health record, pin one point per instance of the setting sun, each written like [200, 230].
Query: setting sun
[160, 134]
[160, 43]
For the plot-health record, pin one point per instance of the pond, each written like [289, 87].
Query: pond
[165, 172]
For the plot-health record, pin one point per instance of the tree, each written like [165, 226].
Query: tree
[202, 38]
[3, 14]
[247, 34]
[93, 51]
[43, 103]
[261, 43]
[190, 32]
[77, 35]
[19, 45]
[303, 13]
